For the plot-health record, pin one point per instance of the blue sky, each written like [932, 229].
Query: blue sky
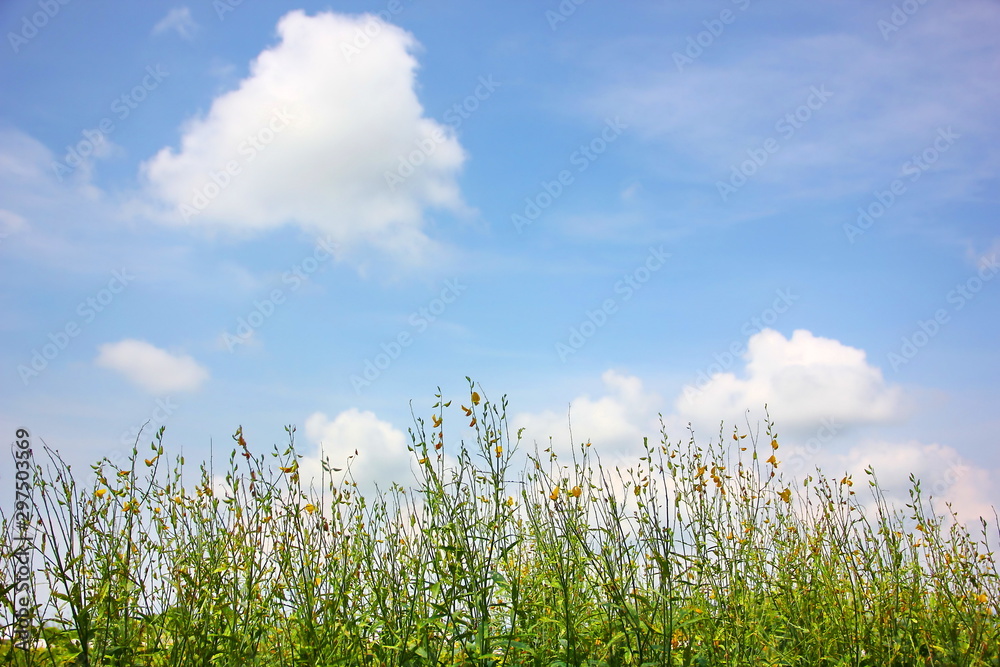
[222, 214]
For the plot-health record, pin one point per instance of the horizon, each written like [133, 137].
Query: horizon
[231, 216]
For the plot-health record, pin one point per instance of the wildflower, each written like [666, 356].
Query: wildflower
[150, 462]
[422, 461]
[786, 495]
[475, 398]
[773, 461]
[555, 494]
[310, 508]
[774, 443]
[100, 493]
[291, 468]
[436, 421]
[576, 492]
[123, 473]
[510, 501]
[499, 451]
[982, 599]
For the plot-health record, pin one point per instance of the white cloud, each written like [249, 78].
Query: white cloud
[180, 20]
[313, 131]
[803, 380]
[150, 368]
[614, 423]
[382, 455]
[944, 475]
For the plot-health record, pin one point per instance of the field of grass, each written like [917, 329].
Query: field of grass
[499, 554]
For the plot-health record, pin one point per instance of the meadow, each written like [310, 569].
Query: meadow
[497, 553]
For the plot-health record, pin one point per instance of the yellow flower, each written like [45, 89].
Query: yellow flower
[290, 468]
[100, 493]
[310, 508]
[150, 462]
[499, 451]
[475, 398]
[123, 473]
[982, 599]
[576, 492]
[786, 495]
[555, 494]
[773, 461]
[510, 501]
[774, 443]
[436, 421]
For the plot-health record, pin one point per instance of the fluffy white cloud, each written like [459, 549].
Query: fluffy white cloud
[312, 137]
[614, 423]
[150, 368]
[382, 455]
[945, 476]
[805, 381]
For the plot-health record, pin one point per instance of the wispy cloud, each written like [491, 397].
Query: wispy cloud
[180, 21]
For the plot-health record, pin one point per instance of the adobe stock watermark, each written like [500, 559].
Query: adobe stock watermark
[323, 251]
[372, 28]
[122, 107]
[786, 126]
[23, 518]
[696, 44]
[784, 299]
[913, 168]
[223, 7]
[899, 17]
[87, 311]
[562, 13]
[625, 287]
[31, 25]
[957, 298]
[419, 321]
[458, 113]
[248, 149]
[581, 158]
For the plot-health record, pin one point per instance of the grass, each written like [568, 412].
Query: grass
[496, 556]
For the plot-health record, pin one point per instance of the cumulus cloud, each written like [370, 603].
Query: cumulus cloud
[179, 20]
[315, 136]
[945, 476]
[614, 423]
[805, 380]
[150, 368]
[382, 455]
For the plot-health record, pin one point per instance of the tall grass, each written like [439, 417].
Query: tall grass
[497, 556]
